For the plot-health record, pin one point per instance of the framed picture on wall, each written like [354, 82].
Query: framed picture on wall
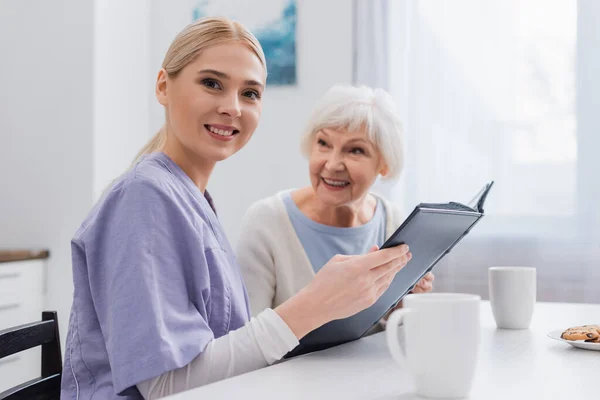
[273, 22]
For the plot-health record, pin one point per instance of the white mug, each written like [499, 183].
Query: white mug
[512, 296]
[441, 342]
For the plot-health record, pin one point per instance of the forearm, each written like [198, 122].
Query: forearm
[302, 314]
[262, 341]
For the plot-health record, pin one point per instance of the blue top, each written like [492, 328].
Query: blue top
[155, 281]
[321, 242]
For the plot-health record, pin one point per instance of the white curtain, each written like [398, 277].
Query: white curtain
[371, 55]
[503, 90]
[371, 43]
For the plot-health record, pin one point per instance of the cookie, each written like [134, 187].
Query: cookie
[597, 340]
[595, 327]
[580, 333]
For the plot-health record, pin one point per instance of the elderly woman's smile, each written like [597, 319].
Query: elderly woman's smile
[335, 184]
[353, 137]
[343, 164]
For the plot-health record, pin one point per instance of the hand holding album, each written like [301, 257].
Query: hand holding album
[431, 231]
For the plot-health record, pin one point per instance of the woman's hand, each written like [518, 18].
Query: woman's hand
[343, 287]
[425, 285]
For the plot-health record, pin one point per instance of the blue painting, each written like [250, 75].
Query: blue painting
[273, 22]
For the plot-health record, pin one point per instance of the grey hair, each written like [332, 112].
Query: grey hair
[351, 108]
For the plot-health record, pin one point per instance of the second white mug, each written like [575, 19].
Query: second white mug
[512, 296]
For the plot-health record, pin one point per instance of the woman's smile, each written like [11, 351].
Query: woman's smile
[335, 184]
[221, 132]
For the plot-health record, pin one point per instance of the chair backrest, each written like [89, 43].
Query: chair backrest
[42, 333]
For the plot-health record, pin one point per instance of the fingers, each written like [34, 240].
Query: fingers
[342, 257]
[425, 285]
[391, 267]
[429, 277]
[382, 284]
[426, 281]
[422, 289]
[388, 272]
[381, 290]
[379, 258]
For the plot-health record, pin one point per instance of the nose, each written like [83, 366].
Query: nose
[335, 162]
[230, 106]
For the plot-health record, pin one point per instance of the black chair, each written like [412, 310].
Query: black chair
[23, 337]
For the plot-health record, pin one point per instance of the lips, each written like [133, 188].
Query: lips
[335, 183]
[222, 130]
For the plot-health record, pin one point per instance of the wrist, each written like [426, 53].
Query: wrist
[301, 313]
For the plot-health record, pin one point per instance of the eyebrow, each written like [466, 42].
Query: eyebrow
[250, 82]
[359, 140]
[366, 142]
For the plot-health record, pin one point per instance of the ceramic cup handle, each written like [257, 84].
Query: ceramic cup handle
[391, 332]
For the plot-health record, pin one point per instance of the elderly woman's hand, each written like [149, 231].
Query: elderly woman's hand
[425, 285]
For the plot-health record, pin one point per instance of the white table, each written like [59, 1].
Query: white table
[522, 364]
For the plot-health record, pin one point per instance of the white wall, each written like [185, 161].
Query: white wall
[167, 18]
[45, 132]
[271, 161]
[78, 102]
[123, 86]
[74, 111]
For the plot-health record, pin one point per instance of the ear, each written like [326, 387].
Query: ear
[384, 170]
[161, 87]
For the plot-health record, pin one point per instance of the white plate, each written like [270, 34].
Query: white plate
[575, 343]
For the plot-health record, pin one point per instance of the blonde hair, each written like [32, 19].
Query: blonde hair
[185, 48]
[352, 108]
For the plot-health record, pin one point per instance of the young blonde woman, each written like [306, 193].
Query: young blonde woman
[159, 304]
[353, 136]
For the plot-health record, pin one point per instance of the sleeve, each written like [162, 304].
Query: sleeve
[139, 255]
[261, 342]
[256, 261]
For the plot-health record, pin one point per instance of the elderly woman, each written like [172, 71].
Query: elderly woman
[353, 136]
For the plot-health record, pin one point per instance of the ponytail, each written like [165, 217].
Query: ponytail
[155, 144]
